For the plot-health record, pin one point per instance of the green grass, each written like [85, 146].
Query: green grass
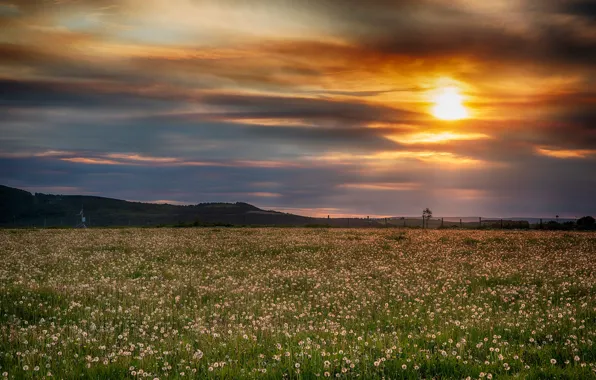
[227, 303]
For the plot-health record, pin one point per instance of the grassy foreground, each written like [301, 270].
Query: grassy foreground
[297, 303]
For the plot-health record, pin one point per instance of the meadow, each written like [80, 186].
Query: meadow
[297, 303]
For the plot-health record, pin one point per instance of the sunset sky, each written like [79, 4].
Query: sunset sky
[340, 107]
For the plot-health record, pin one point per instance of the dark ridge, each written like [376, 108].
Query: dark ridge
[19, 208]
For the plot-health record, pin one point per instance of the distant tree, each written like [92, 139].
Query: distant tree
[426, 215]
[586, 222]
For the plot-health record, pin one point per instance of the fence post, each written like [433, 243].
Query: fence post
[540, 223]
[441, 222]
[479, 221]
[423, 226]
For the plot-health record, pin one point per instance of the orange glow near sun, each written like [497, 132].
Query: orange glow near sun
[449, 104]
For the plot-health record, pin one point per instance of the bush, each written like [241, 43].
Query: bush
[586, 223]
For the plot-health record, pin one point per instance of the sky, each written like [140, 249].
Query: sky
[327, 107]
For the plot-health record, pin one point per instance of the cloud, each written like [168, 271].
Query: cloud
[583, 8]
[46, 94]
[566, 153]
[327, 100]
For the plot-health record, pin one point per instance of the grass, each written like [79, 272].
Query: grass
[227, 303]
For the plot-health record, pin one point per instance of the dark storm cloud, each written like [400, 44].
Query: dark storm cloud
[43, 94]
[555, 45]
[585, 9]
[424, 29]
[194, 137]
[255, 106]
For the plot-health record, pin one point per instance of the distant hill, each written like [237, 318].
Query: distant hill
[19, 208]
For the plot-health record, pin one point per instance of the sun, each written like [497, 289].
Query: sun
[449, 105]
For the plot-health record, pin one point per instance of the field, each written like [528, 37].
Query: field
[297, 303]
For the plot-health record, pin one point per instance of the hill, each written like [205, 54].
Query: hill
[19, 208]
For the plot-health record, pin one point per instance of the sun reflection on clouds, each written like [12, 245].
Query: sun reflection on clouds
[436, 137]
[566, 153]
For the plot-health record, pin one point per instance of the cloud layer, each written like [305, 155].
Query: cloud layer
[314, 106]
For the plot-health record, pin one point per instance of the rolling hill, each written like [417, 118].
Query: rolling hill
[19, 208]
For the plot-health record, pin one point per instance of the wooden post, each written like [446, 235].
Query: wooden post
[460, 224]
[479, 221]
[540, 223]
[441, 222]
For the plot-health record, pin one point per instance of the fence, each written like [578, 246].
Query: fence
[276, 219]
